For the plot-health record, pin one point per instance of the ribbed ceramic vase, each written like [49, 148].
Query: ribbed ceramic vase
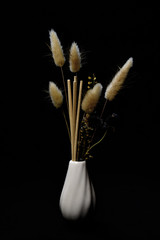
[78, 195]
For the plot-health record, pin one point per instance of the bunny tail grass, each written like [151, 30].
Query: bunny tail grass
[74, 58]
[56, 48]
[118, 80]
[55, 95]
[91, 98]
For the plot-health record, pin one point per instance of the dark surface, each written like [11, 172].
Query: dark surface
[35, 149]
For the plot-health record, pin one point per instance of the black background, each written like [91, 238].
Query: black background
[35, 149]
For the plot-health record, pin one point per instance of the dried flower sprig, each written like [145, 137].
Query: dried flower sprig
[92, 80]
[83, 127]
[74, 58]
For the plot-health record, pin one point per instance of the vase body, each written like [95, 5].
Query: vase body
[77, 196]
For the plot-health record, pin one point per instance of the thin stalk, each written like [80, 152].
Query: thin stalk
[96, 142]
[100, 117]
[65, 90]
[103, 108]
[79, 136]
[65, 119]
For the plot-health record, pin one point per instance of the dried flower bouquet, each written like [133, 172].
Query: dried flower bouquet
[82, 121]
[83, 125]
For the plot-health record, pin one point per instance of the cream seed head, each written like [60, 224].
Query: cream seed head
[91, 98]
[118, 80]
[74, 58]
[56, 48]
[55, 95]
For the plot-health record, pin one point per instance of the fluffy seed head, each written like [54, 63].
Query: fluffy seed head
[74, 58]
[56, 48]
[118, 80]
[91, 98]
[55, 95]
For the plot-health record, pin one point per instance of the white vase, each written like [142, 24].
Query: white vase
[78, 195]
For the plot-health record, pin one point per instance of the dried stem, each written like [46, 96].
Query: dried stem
[100, 117]
[96, 142]
[65, 119]
[79, 136]
[103, 108]
[74, 104]
[65, 91]
[70, 115]
[77, 118]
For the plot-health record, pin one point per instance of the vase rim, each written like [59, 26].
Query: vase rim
[77, 162]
